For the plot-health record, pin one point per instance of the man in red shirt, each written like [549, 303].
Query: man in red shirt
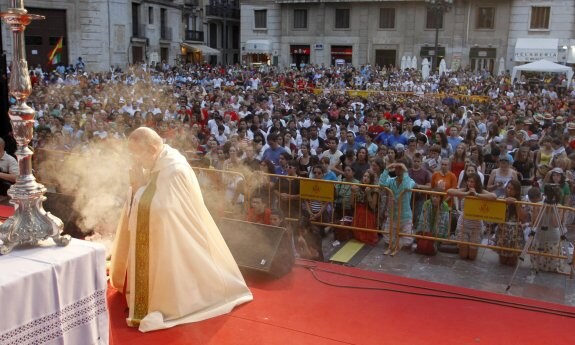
[258, 211]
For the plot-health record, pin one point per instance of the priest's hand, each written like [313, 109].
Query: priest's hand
[137, 178]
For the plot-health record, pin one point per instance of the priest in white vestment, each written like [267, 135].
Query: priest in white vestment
[168, 254]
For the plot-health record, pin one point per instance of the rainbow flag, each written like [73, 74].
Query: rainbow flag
[55, 55]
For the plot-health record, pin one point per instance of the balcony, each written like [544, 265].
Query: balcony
[194, 35]
[165, 33]
[223, 11]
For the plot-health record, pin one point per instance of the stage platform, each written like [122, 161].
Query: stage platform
[321, 303]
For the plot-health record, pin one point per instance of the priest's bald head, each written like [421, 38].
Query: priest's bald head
[145, 146]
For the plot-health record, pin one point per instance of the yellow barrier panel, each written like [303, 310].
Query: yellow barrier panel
[486, 210]
[316, 190]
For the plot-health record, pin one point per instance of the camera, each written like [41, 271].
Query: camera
[552, 193]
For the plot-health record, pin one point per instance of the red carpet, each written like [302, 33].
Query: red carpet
[6, 211]
[298, 309]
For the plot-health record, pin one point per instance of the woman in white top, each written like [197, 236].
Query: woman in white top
[501, 176]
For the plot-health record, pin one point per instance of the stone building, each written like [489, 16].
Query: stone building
[481, 34]
[478, 34]
[102, 32]
[542, 30]
[215, 22]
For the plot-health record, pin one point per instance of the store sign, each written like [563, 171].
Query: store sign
[523, 55]
[300, 50]
[341, 50]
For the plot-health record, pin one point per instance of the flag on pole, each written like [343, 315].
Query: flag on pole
[55, 55]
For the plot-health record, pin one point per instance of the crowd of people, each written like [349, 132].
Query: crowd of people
[464, 133]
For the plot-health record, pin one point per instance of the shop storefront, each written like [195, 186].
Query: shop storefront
[197, 53]
[341, 55]
[300, 55]
[535, 49]
[257, 52]
[482, 59]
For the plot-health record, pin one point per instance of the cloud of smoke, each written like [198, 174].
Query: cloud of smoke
[98, 180]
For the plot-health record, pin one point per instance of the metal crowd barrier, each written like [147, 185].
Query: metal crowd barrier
[285, 193]
[340, 212]
[518, 228]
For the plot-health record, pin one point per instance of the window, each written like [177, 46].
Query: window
[434, 19]
[300, 19]
[150, 15]
[486, 18]
[387, 18]
[540, 17]
[342, 18]
[261, 18]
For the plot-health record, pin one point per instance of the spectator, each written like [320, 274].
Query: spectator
[399, 183]
[8, 169]
[316, 210]
[510, 233]
[274, 151]
[443, 179]
[469, 230]
[433, 220]
[288, 192]
[360, 164]
[556, 176]
[365, 202]
[259, 212]
[547, 241]
[501, 176]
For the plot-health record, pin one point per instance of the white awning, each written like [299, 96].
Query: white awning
[258, 47]
[200, 48]
[534, 49]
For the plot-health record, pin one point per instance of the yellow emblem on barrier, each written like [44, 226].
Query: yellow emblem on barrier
[316, 190]
[486, 210]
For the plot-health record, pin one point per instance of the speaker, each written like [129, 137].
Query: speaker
[61, 206]
[259, 248]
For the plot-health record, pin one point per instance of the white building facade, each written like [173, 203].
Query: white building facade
[474, 34]
[542, 30]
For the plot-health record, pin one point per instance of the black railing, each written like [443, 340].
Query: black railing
[194, 35]
[223, 11]
[166, 33]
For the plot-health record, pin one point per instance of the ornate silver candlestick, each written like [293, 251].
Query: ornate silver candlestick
[30, 222]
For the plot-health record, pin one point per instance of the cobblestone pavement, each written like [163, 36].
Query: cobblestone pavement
[485, 273]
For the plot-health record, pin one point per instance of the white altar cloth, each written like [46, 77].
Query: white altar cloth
[54, 295]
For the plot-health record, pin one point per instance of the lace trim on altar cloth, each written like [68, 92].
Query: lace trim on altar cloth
[47, 328]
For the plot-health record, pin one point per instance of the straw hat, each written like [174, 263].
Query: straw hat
[559, 120]
[547, 116]
[571, 126]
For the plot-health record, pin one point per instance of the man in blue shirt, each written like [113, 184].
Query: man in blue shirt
[274, 151]
[396, 137]
[383, 137]
[350, 144]
[454, 139]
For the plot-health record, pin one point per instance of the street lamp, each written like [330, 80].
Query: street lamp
[437, 8]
